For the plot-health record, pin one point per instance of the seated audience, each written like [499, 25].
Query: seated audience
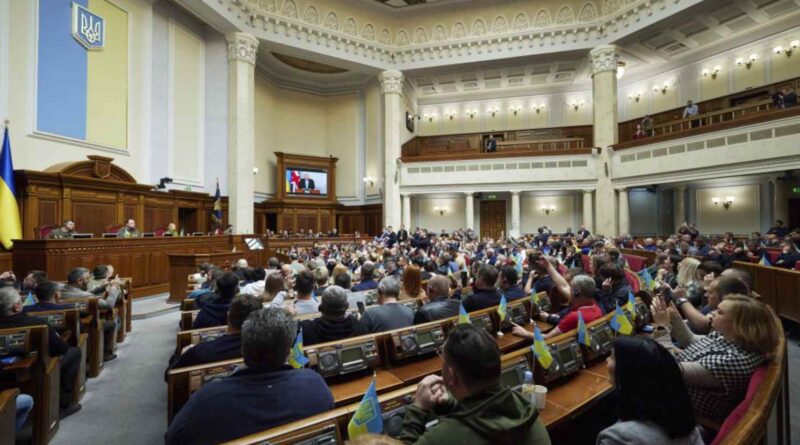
[304, 287]
[33, 279]
[580, 291]
[485, 293]
[101, 276]
[367, 278]
[264, 394]
[789, 256]
[411, 287]
[12, 316]
[129, 230]
[652, 401]
[389, 314]
[468, 400]
[439, 305]
[214, 310]
[226, 347]
[509, 284]
[274, 290]
[614, 287]
[257, 282]
[66, 231]
[700, 320]
[689, 279]
[76, 287]
[717, 367]
[334, 324]
[48, 298]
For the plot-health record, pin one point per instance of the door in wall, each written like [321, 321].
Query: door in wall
[493, 218]
[794, 213]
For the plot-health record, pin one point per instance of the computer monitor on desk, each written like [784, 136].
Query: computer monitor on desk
[415, 341]
[567, 359]
[83, 235]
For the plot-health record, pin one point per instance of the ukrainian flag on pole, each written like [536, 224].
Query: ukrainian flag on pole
[297, 358]
[540, 349]
[583, 336]
[502, 310]
[368, 417]
[463, 316]
[10, 225]
[620, 323]
[631, 305]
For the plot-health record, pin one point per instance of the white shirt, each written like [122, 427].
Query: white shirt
[255, 289]
[303, 307]
[690, 110]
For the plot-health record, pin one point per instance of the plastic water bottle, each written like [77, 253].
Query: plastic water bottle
[528, 387]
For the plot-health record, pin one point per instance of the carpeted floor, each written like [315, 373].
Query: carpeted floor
[127, 404]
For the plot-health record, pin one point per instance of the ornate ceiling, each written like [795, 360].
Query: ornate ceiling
[406, 3]
[487, 46]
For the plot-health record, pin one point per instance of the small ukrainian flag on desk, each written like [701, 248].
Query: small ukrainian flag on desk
[540, 349]
[368, 417]
[297, 359]
[620, 322]
[764, 261]
[10, 226]
[463, 316]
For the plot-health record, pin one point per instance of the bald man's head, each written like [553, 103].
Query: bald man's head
[438, 286]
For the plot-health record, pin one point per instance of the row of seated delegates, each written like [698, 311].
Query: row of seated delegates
[67, 230]
[310, 233]
[106, 287]
[12, 315]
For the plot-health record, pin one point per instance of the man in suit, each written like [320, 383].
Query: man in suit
[583, 233]
[306, 184]
[402, 234]
[48, 298]
[390, 314]
[440, 305]
[12, 316]
[226, 347]
[334, 324]
[129, 231]
[264, 394]
[485, 294]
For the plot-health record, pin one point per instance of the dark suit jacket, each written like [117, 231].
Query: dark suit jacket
[247, 402]
[307, 184]
[402, 235]
[57, 346]
[436, 310]
[481, 299]
[227, 347]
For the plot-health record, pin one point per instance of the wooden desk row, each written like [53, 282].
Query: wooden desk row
[145, 259]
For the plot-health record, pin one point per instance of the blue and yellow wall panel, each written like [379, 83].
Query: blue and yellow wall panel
[82, 94]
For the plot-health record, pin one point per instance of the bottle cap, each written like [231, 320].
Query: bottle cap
[528, 376]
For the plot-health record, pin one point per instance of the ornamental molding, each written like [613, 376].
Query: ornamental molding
[406, 45]
[242, 47]
[391, 82]
[604, 58]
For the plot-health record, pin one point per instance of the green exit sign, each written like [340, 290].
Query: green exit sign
[495, 196]
[796, 190]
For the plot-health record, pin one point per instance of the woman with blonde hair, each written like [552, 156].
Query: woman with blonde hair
[411, 287]
[717, 367]
[688, 279]
[338, 269]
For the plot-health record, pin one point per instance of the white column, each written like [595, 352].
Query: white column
[392, 87]
[241, 116]
[515, 222]
[469, 205]
[604, 101]
[407, 211]
[624, 215]
[680, 207]
[588, 219]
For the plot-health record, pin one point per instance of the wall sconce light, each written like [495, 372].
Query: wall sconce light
[727, 203]
[747, 62]
[430, 117]
[369, 180]
[575, 104]
[450, 114]
[515, 109]
[547, 209]
[620, 69]
[788, 51]
[712, 72]
[471, 113]
[633, 97]
[538, 108]
[663, 89]
[493, 111]
[255, 170]
[440, 210]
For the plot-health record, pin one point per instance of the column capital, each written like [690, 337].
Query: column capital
[242, 47]
[587, 191]
[391, 82]
[680, 188]
[469, 194]
[622, 189]
[515, 192]
[604, 58]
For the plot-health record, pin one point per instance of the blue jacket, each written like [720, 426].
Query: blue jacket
[249, 401]
[481, 299]
[212, 313]
[514, 293]
[365, 285]
[43, 307]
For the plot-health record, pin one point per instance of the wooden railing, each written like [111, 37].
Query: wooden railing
[715, 121]
[545, 147]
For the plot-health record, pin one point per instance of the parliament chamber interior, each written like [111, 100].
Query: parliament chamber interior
[318, 222]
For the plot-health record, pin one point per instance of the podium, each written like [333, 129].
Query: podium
[181, 265]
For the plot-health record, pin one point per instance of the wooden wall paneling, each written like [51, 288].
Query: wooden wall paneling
[155, 217]
[787, 292]
[128, 212]
[6, 261]
[325, 223]
[764, 282]
[48, 213]
[93, 217]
